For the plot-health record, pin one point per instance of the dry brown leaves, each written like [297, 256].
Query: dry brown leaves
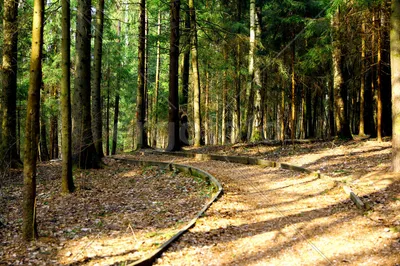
[119, 213]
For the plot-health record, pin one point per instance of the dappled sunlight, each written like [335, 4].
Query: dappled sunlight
[130, 244]
[271, 216]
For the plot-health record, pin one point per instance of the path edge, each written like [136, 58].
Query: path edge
[193, 171]
[265, 163]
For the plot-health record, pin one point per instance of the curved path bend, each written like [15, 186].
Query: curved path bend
[272, 216]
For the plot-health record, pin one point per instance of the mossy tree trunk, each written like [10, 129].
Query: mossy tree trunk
[29, 229]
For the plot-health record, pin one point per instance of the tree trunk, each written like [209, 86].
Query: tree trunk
[206, 107]
[29, 229]
[361, 131]
[238, 88]
[342, 124]
[8, 147]
[66, 130]
[195, 75]
[378, 80]
[96, 92]
[174, 143]
[247, 118]
[257, 132]
[224, 111]
[141, 140]
[108, 112]
[293, 95]
[115, 131]
[157, 85]
[44, 152]
[84, 152]
[54, 129]
[395, 70]
[186, 64]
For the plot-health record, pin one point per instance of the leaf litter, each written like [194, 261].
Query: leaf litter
[120, 213]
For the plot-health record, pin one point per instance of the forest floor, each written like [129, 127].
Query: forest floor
[272, 216]
[120, 213]
[266, 216]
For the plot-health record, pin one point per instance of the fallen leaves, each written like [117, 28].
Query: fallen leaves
[119, 213]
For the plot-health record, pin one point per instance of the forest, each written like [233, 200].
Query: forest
[90, 87]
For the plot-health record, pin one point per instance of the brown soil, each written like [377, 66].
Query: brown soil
[120, 213]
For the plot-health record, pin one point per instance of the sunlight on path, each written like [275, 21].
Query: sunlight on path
[276, 217]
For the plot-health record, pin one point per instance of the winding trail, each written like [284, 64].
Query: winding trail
[270, 216]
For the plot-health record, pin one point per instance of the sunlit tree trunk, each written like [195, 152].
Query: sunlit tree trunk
[186, 63]
[96, 92]
[224, 111]
[66, 129]
[247, 117]
[257, 132]
[84, 152]
[8, 147]
[195, 75]
[342, 123]
[206, 109]
[395, 70]
[141, 140]
[173, 98]
[29, 229]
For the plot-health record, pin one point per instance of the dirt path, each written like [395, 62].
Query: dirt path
[277, 217]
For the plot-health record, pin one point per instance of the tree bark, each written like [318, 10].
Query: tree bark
[108, 112]
[84, 152]
[379, 80]
[361, 131]
[293, 94]
[96, 92]
[44, 152]
[257, 132]
[66, 131]
[195, 75]
[206, 109]
[247, 117]
[141, 140]
[29, 229]
[174, 143]
[115, 130]
[8, 149]
[157, 83]
[395, 70]
[342, 123]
